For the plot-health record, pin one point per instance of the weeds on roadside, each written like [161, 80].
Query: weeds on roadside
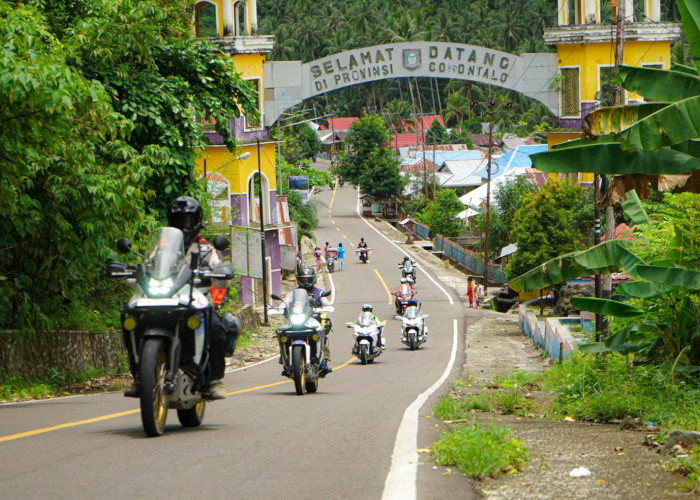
[688, 466]
[15, 387]
[481, 452]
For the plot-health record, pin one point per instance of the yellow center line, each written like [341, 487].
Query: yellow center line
[68, 425]
[345, 237]
[388, 292]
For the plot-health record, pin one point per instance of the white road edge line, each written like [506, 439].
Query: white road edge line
[399, 248]
[400, 483]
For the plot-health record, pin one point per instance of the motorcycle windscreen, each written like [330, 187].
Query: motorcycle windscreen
[411, 312]
[365, 319]
[166, 255]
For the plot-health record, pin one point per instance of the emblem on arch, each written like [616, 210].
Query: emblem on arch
[411, 58]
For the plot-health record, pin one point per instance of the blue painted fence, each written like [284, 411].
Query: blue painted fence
[467, 258]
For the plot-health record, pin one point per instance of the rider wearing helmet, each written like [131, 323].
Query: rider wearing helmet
[362, 243]
[403, 289]
[186, 214]
[306, 279]
[367, 308]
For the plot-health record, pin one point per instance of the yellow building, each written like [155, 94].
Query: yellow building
[232, 179]
[586, 46]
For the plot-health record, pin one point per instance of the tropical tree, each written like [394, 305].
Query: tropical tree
[440, 216]
[542, 226]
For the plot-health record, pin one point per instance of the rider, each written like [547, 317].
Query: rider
[367, 308]
[403, 289]
[362, 243]
[306, 279]
[186, 214]
[406, 260]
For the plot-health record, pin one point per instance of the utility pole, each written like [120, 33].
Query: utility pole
[262, 238]
[487, 227]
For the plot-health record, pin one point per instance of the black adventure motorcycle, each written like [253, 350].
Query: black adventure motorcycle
[166, 325]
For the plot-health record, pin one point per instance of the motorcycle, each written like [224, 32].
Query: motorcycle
[363, 254]
[403, 296]
[413, 329]
[341, 182]
[408, 270]
[301, 339]
[330, 262]
[166, 325]
[366, 332]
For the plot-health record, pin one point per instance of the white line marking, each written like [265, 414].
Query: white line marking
[400, 483]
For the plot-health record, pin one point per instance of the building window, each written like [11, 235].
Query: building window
[241, 22]
[205, 20]
[570, 92]
[253, 123]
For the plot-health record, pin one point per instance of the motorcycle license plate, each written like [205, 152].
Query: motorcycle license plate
[151, 302]
[298, 342]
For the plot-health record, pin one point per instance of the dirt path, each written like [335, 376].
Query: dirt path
[621, 466]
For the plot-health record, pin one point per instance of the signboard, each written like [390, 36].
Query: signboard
[219, 190]
[246, 251]
[300, 184]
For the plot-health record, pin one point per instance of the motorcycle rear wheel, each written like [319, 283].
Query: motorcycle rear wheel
[192, 417]
[298, 369]
[363, 354]
[154, 401]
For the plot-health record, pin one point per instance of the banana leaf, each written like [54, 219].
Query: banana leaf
[600, 347]
[613, 120]
[601, 258]
[553, 271]
[575, 143]
[618, 342]
[606, 306]
[683, 69]
[658, 84]
[673, 276]
[611, 159]
[632, 208]
[690, 14]
[641, 289]
[627, 260]
[676, 123]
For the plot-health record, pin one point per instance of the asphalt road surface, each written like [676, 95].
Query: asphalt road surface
[358, 437]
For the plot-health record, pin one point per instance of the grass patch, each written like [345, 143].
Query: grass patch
[481, 452]
[451, 408]
[15, 387]
[689, 467]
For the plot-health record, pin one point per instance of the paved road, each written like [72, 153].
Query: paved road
[263, 441]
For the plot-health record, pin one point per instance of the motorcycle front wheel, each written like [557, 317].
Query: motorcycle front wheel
[412, 342]
[298, 369]
[363, 354]
[192, 417]
[154, 403]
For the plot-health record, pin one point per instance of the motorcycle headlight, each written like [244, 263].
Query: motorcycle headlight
[297, 319]
[160, 287]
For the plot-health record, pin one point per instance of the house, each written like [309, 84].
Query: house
[232, 179]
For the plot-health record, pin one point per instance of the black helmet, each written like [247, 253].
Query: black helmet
[405, 258]
[185, 213]
[367, 307]
[362, 239]
[306, 277]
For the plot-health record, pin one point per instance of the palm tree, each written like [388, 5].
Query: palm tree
[457, 107]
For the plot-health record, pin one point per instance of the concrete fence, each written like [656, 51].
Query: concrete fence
[72, 352]
[551, 335]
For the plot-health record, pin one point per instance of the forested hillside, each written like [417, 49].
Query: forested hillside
[308, 29]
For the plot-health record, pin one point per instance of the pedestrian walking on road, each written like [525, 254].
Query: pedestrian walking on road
[317, 255]
[341, 256]
[470, 292]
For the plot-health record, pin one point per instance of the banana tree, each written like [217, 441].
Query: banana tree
[648, 141]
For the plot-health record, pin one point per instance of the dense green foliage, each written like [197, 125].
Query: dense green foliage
[101, 127]
[440, 216]
[366, 161]
[543, 226]
[299, 143]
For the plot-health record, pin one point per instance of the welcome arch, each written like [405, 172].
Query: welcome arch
[288, 83]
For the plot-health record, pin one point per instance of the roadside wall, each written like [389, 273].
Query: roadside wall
[551, 335]
[73, 351]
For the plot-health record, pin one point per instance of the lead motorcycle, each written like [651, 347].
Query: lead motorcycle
[302, 337]
[363, 254]
[366, 332]
[166, 325]
[403, 296]
[413, 329]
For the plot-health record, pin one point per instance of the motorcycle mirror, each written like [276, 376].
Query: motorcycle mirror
[398, 317]
[275, 296]
[325, 293]
[221, 242]
[349, 324]
[426, 316]
[123, 245]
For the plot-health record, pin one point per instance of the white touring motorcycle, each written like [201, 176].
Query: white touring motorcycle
[166, 325]
[408, 270]
[413, 329]
[366, 332]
